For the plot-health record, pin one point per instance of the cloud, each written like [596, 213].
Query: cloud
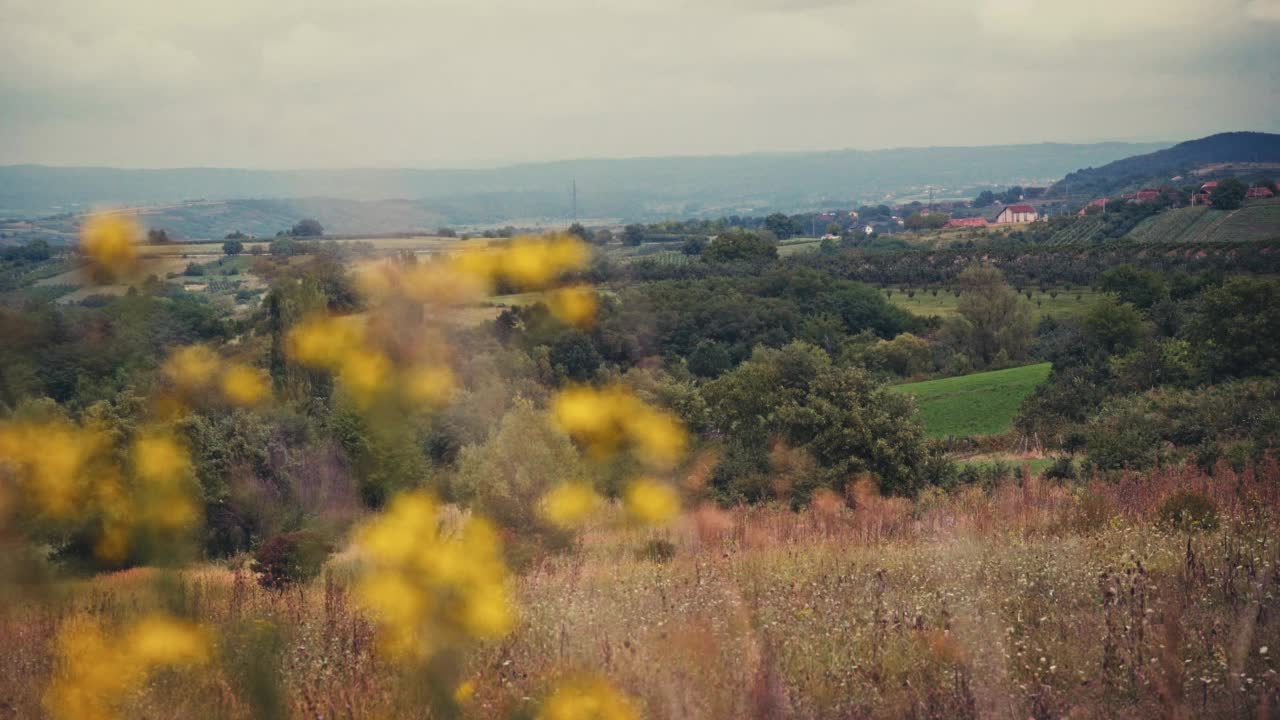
[450, 82]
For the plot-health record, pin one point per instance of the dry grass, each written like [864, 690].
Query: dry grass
[1031, 600]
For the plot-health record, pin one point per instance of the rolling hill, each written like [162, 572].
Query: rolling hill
[1241, 153]
[1257, 220]
[629, 188]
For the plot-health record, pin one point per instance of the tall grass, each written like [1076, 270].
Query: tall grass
[1032, 599]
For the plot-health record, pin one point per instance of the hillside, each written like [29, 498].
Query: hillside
[633, 188]
[1255, 221]
[1224, 153]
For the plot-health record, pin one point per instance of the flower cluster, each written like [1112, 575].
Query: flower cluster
[431, 590]
[606, 422]
[68, 473]
[587, 697]
[95, 669]
[109, 241]
[198, 373]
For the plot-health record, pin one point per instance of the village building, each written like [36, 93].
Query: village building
[1259, 192]
[1016, 214]
[1099, 203]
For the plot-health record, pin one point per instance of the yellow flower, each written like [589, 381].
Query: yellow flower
[429, 384]
[364, 374]
[323, 341]
[587, 698]
[533, 262]
[430, 591]
[109, 241]
[652, 502]
[160, 459]
[464, 692]
[568, 504]
[658, 437]
[243, 385]
[191, 367]
[96, 672]
[573, 305]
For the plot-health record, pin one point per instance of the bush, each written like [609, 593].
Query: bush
[1188, 510]
[291, 558]
[1064, 468]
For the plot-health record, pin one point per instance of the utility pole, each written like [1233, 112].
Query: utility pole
[930, 199]
[575, 200]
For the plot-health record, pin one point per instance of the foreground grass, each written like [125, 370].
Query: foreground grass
[1031, 600]
[978, 404]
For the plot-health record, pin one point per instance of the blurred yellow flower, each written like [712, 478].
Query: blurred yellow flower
[587, 698]
[573, 305]
[429, 384]
[570, 503]
[323, 341]
[243, 385]
[95, 672]
[429, 590]
[364, 374]
[604, 420]
[159, 459]
[651, 502]
[464, 692]
[191, 367]
[109, 241]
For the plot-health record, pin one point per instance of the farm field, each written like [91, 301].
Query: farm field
[1066, 304]
[978, 404]
[1257, 220]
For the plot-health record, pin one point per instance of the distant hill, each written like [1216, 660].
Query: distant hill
[1241, 153]
[635, 188]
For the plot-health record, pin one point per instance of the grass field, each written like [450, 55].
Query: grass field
[1067, 303]
[980, 404]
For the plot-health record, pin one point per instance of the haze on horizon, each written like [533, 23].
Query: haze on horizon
[434, 83]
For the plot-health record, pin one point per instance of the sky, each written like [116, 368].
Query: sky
[462, 83]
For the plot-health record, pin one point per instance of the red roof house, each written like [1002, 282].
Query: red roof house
[1017, 214]
[1259, 192]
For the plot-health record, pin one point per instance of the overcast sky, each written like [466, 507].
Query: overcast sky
[430, 83]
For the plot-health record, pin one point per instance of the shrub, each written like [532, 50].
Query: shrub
[1189, 510]
[1064, 468]
[291, 558]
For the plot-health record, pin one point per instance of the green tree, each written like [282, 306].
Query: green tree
[1141, 288]
[986, 198]
[739, 245]
[1113, 327]
[993, 322]
[1229, 194]
[839, 416]
[633, 235]
[307, 227]
[232, 247]
[581, 231]
[1236, 328]
[780, 225]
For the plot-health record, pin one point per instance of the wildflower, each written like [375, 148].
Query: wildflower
[109, 241]
[464, 692]
[159, 459]
[429, 384]
[587, 698]
[568, 504]
[431, 591]
[191, 367]
[605, 420]
[364, 374]
[96, 671]
[243, 385]
[573, 305]
[651, 502]
[324, 342]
